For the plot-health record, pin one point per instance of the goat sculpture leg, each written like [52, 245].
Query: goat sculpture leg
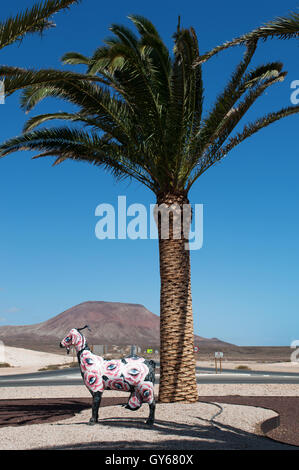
[151, 419]
[135, 402]
[96, 401]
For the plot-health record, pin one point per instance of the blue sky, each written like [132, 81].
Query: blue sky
[245, 277]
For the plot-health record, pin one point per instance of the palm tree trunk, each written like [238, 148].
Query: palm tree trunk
[177, 361]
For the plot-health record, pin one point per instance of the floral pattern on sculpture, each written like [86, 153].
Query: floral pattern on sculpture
[90, 362]
[146, 391]
[94, 381]
[135, 400]
[117, 384]
[135, 372]
[112, 368]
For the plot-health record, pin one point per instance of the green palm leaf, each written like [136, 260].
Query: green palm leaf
[31, 20]
[282, 28]
[253, 127]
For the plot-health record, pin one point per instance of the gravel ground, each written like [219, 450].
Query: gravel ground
[178, 426]
[74, 391]
[284, 427]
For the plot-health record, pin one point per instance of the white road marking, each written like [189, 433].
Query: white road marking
[208, 374]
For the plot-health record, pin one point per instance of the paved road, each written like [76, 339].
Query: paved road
[204, 375]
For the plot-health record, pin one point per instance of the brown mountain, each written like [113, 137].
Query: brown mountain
[110, 323]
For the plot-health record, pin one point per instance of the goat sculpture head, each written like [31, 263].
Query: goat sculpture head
[74, 338]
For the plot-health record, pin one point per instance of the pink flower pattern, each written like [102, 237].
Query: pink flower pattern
[94, 381]
[146, 391]
[135, 372]
[123, 375]
[112, 368]
[88, 362]
[117, 384]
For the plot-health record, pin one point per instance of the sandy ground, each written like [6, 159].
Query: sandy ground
[263, 366]
[26, 360]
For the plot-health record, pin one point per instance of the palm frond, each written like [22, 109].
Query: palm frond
[65, 143]
[185, 105]
[18, 78]
[74, 58]
[228, 110]
[253, 127]
[159, 54]
[281, 27]
[210, 157]
[36, 121]
[35, 19]
[226, 100]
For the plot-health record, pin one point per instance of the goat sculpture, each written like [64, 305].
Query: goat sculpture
[132, 374]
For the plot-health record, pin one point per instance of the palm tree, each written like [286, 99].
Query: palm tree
[33, 20]
[139, 114]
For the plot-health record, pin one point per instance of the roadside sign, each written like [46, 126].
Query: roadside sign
[196, 348]
[218, 356]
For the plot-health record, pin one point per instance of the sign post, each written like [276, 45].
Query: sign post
[218, 355]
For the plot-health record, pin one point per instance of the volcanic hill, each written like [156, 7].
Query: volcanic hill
[110, 323]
